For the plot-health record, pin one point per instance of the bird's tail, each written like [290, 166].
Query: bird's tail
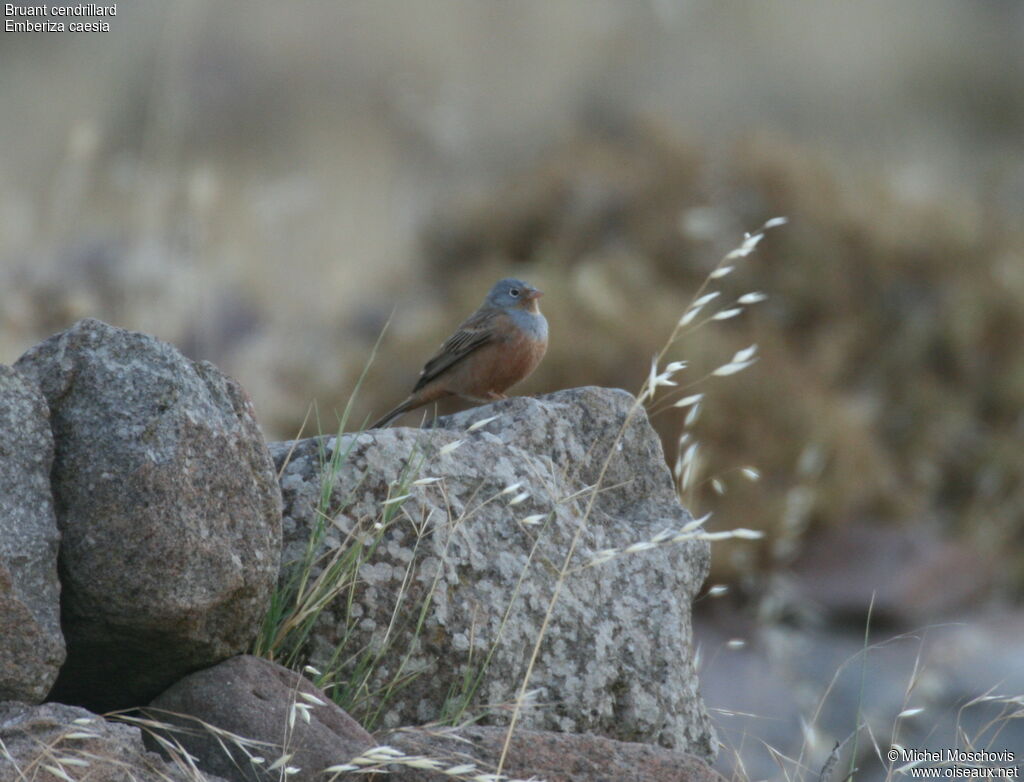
[408, 404]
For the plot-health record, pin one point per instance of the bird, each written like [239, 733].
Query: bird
[492, 350]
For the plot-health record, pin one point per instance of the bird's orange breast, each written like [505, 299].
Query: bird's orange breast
[500, 364]
[521, 357]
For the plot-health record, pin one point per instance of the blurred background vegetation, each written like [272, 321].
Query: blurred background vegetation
[266, 185]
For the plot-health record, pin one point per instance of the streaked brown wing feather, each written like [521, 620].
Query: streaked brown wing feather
[475, 332]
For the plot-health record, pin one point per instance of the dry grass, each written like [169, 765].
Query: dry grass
[78, 753]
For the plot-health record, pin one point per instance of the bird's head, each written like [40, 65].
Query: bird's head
[514, 293]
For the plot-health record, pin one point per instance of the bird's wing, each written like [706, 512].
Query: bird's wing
[474, 333]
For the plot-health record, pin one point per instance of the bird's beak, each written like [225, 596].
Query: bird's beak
[533, 293]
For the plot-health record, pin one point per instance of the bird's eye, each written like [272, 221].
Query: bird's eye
[514, 292]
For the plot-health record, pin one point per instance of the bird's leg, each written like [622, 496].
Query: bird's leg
[496, 396]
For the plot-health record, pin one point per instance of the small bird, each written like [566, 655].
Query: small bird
[494, 348]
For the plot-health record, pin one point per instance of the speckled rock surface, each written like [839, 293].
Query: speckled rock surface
[617, 656]
[31, 643]
[537, 754]
[169, 511]
[82, 746]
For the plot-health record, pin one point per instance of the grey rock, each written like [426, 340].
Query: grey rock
[253, 698]
[553, 757]
[31, 643]
[169, 509]
[81, 745]
[617, 655]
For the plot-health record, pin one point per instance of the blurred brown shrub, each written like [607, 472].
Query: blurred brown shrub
[890, 385]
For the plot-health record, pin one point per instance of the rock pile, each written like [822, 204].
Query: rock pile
[141, 540]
